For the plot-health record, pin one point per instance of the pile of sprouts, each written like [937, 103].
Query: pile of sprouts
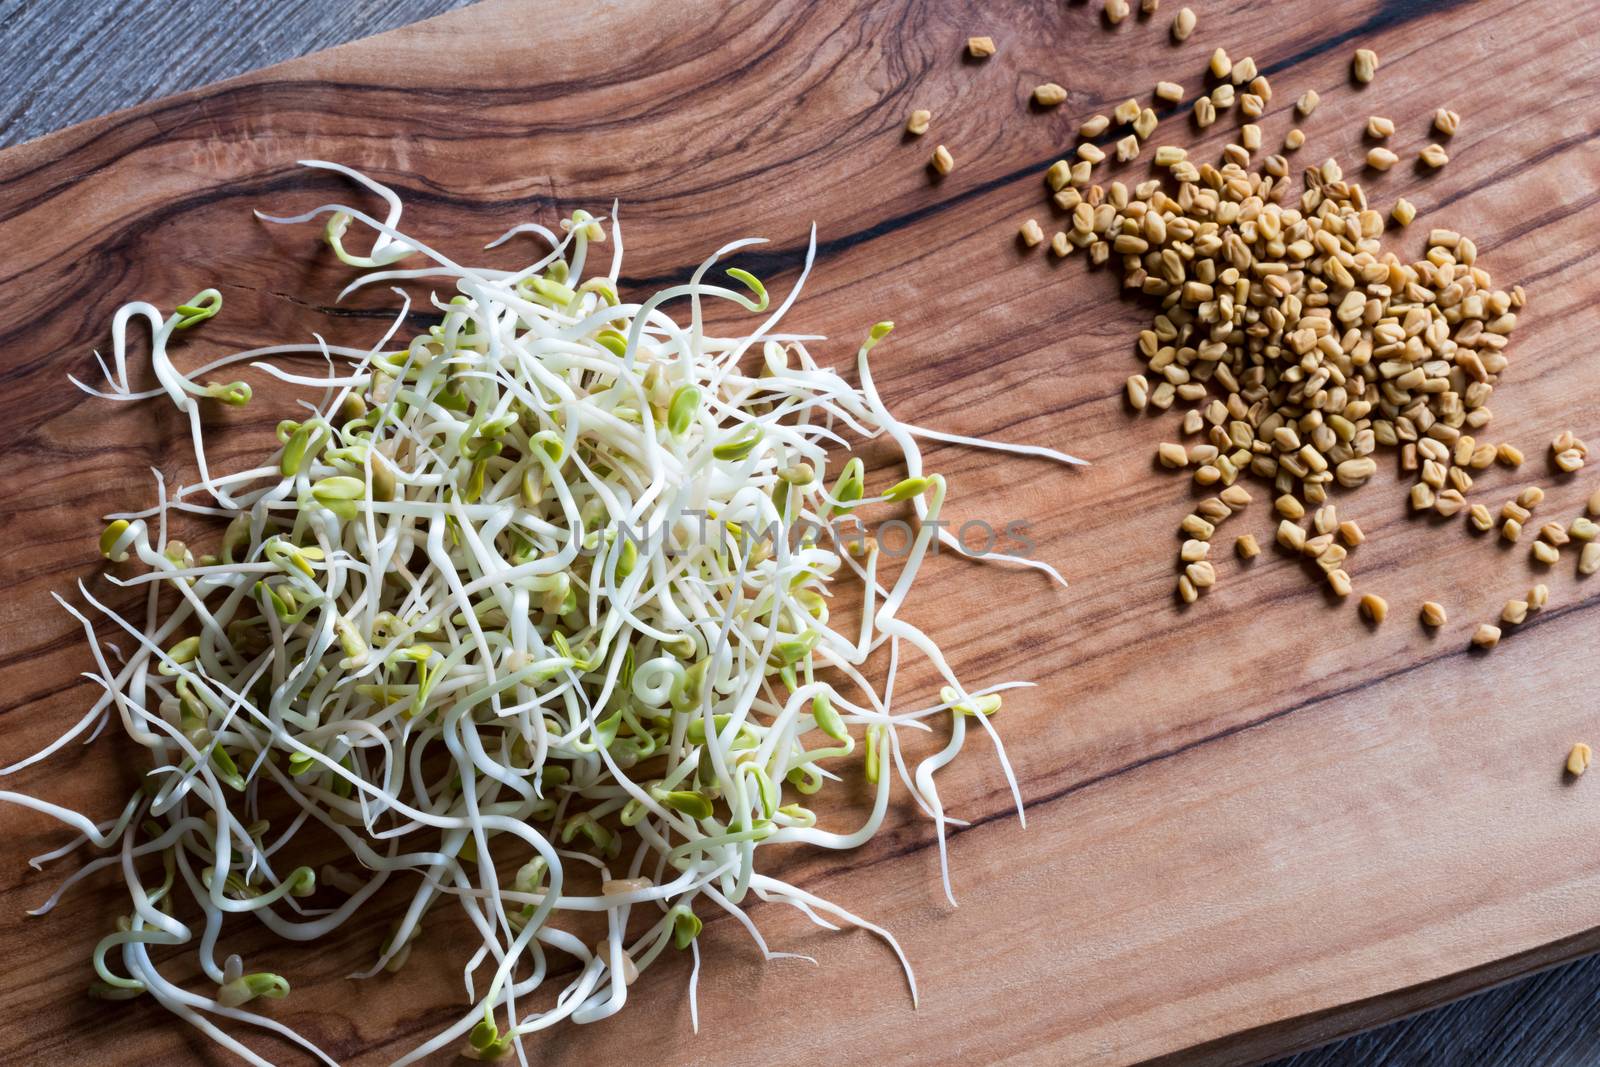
[529, 615]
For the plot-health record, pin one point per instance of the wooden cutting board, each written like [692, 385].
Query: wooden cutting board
[1253, 824]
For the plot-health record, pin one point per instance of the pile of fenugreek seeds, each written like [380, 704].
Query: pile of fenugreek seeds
[1294, 344]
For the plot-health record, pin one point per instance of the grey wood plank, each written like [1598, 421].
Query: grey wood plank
[64, 61]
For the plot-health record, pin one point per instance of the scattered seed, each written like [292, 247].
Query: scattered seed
[1374, 607]
[1094, 126]
[1247, 547]
[1183, 25]
[1449, 502]
[1403, 211]
[1433, 614]
[1171, 92]
[1222, 96]
[1339, 582]
[1168, 155]
[1326, 519]
[1307, 103]
[1250, 136]
[1251, 105]
[1125, 112]
[1205, 112]
[1355, 472]
[1127, 148]
[1511, 530]
[1379, 127]
[1530, 497]
[1291, 536]
[1546, 553]
[1555, 533]
[1578, 759]
[1434, 156]
[1193, 550]
[1589, 558]
[1480, 518]
[1351, 533]
[917, 124]
[1515, 612]
[1196, 527]
[1446, 122]
[1049, 95]
[1060, 245]
[1508, 454]
[1582, 529]
[1593, 504]
[1244, 71]
[1364, 65]
[1221, 65]
[1486, 636]
[1422, 498]
[1138, 391]
[1381, 159]
[1090, 153]
[1289, 507]
[1513, 509]
[1031, 233]
[1149, 6]
[980, 47]
[1186, 590]
[1538, 597]
[942, 161]
[1569, 460]
[1116, 11]
[1294, 139]
[1173, 456]
[1145, 124]
[1202, 574]
[1236, 496]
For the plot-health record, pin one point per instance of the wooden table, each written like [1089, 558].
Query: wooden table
[1253, 824]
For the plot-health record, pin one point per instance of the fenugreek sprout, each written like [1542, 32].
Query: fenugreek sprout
[527, 615]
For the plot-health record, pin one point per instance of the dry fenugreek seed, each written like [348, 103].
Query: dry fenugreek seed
[1480, 518]
[1403, 211]
[1308, 102]
[1247, 547]
[1446, 122]
[1244, 70]
[1149, 7]
[1116, 11]
[1508, 454]
[1146, 123]
[1237, 496]
[1379, 127]
[1339, 582]
[1381, 159]
[1433, 614]
[917, 124]
[1196, 527]
[1547, 554]
[1538, 597]
[1582, 529]
[1127, 148]
[1169, 155]
[1592, 506]
[1326, 519]
[1289, 507]
[1223, 96]
[1515, 509]
[1125, 112]
[1059, 244]
[1434, 156]
[1291, 536]
[1193, 551]
[1059, 176]
[1049, 95]
[1578, 759]
[980, 47]
[1221, 65]
[1569, 460]
[1250, 136]
[1262, 88]
[1171, 92]
[1515, 612]
[1355, 472]
[1422, 498]
[1202, 574]
[1138, 392]
[1173, 456]
[1351, 533]
[1294, 139]
[1589, 558]
[1205, 112]
[1183, 25]
[1374, 607]
[1555, 533]
[1090, 153]
[1251, 105]
[1449, 502]
[1094, 126]
[1486, 636]
[1031, 233]
[942, 161]
[1186, 590]
[1364, 65]
[1511, 530]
